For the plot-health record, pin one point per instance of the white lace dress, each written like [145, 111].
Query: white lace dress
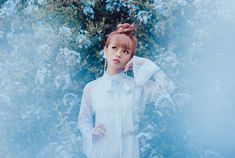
[117, 102]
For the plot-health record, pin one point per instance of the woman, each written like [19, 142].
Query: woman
[112, 104]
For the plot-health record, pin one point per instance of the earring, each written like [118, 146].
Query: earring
[105, 64]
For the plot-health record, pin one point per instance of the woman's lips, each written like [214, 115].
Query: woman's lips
[116, 61]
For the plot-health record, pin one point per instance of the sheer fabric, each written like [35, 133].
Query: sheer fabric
[117, 102]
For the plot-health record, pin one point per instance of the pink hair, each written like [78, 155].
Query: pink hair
[124, 37]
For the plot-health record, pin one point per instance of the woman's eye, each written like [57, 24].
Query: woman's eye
[126, 52]
[113, 47]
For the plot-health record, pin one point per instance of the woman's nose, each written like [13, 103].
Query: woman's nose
[118, 56]
[118, 53]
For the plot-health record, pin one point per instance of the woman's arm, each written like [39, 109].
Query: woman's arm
[145, 69]
[85, 121]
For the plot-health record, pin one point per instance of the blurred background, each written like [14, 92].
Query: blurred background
[49, 49]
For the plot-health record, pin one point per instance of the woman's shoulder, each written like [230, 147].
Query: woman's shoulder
[90, 85]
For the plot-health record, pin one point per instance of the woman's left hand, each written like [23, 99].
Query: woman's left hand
[129, 65]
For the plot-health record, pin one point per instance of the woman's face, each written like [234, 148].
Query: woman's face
[117, 57]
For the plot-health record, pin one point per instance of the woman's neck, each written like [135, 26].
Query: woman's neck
[111, 71]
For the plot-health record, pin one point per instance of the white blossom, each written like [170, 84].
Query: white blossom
[82, 39]
[62, 79]
[65, 32]
[144, 16]
[41, 76]
[87, 7]
[67, 56]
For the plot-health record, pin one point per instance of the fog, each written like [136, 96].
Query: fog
[39, 90]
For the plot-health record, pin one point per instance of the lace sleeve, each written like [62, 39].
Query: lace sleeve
[156, 89]
[143, 69]
[85, 122]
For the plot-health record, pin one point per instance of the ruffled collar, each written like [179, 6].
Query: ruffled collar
[115, 82]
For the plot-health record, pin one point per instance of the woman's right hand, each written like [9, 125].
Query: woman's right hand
[98, 132]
